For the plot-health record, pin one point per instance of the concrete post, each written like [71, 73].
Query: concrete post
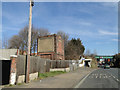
[13, 69]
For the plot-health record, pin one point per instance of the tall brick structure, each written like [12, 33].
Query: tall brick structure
[51, 47]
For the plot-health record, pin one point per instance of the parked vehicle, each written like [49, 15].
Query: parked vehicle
[106, 66]
[101, 66]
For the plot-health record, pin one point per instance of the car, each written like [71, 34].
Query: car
[106, 66]
[101, 66]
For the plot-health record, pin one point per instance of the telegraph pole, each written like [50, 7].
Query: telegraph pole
[29, 42]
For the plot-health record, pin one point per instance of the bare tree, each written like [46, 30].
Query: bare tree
[38, 33]
[23, 35]
[20, 40]
[34, 37]
[15, 42]
[87, 53]
[5, 42]
[64, 37]
[95, 52]
[43, 32]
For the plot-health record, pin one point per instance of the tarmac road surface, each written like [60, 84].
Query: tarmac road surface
[101, 78]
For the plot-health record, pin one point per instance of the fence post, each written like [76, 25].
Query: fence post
[13, 69]
[45, 66]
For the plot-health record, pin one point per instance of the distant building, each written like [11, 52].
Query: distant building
[51, 47]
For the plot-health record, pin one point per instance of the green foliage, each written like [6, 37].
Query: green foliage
[117, 60]
[11, 85]
[49, 74]
[19, 83]
[74, 49]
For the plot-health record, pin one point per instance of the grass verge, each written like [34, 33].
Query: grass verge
[50, 74]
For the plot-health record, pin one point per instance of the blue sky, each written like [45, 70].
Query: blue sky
[95, 23]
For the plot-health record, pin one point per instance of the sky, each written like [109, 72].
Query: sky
[95, 23]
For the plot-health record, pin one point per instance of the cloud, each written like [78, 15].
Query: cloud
[14, 19]
[85, 23]
[81, 33]
[10, 28]
[110, 4]
[69, 20]
[85, 10]
[116, 40]
[103, 32]
[101, 42]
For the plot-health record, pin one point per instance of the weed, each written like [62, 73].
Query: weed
[50, 74]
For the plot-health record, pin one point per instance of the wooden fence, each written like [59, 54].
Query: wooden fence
[38, 64]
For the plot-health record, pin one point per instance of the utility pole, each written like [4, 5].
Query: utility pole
[29, 42]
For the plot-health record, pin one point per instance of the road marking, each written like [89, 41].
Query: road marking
[90, 76]
[96, 76]
[113, 76]
[106, 77]
[77, 86]
[103, 76]
[117, 80]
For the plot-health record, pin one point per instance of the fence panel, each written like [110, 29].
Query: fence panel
[38, 64]
[33, 64]
[20, 65]
[47, 65]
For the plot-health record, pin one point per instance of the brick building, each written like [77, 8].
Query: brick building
[51, 47]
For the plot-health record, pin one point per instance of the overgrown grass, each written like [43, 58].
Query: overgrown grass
[94, 63]
[11, 85]
[50, 74]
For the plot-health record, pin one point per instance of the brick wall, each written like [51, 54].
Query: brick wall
[58, 51]
[60, 48]
[13, 69]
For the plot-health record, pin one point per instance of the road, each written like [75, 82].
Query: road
[101, 78]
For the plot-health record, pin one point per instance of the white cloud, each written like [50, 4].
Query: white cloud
[15, 19]
[113, 5]
[115, 40]
[103, 32]
[10, 28]
[110, 4]
[85, 10]
[85, 23]
[81, 33]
